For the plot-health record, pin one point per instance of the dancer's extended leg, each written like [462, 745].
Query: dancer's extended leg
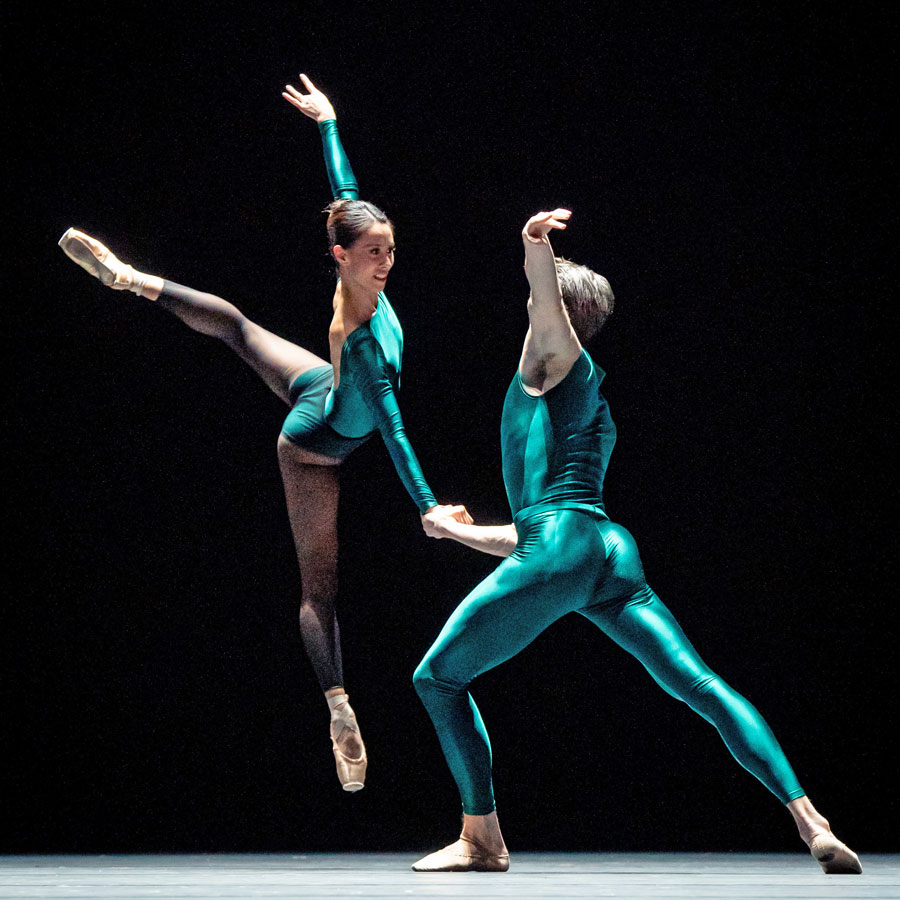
[644, 627]
[642, 624]
[310, 480]
[277, 361]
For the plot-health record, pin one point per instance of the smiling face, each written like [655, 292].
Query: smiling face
[365, 263]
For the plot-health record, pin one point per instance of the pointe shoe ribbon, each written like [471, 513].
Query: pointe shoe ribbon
[465, 855]
[351, 771]
[835, 857]
[98, 259]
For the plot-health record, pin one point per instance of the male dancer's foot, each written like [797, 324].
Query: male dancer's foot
[102, 263]
[480, 848]
[348, 747]
[835, 857]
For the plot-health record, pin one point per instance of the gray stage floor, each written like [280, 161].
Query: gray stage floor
[379, 875]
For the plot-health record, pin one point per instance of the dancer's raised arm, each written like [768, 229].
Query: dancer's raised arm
[551, 345]
[318, 107]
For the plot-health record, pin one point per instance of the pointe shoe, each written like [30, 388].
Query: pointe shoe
[465, 855]
[97, 259]
[835, 857]
[351, 771]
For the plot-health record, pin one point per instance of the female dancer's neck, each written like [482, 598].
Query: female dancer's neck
[357, 304]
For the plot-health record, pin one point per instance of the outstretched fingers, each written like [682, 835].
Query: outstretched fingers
[313, 104]
[540, 224]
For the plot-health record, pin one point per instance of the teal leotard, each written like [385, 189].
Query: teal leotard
[334, 421]
[571, 557]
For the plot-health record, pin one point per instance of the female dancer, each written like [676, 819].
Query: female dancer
[562, 554]
[335, 407]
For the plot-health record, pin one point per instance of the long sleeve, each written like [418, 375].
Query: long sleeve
[340, 175]
[369, 371]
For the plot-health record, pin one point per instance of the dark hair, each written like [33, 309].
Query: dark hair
[587, 296]
[348, 220]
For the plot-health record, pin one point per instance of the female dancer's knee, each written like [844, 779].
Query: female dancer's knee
[318, 597]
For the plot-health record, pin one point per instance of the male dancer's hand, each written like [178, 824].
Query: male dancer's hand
[540, 225]
[314, 104]
[435, 520]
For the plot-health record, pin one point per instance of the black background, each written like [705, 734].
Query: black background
[729, 171]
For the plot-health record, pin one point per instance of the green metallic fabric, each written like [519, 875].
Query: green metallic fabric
[570, 558]
[340, 175]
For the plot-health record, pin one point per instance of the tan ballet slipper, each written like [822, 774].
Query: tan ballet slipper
[835, 857]
[465, 855]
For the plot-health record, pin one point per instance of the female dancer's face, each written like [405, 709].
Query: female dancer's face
[366, 263]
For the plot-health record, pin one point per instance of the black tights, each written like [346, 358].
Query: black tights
[311, 490]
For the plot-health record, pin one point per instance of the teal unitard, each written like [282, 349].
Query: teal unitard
[571, 558]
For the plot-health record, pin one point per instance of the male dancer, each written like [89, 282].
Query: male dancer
[563, 554]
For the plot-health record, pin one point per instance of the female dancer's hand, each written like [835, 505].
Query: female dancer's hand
[314, 104]
[540, 225]
[435, 521]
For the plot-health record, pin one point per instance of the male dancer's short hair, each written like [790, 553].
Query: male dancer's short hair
[587, 296]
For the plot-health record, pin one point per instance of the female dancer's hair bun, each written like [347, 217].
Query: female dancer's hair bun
[348, 220]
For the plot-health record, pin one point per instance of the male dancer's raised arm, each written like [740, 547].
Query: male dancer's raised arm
[551, 348]
[551, 345]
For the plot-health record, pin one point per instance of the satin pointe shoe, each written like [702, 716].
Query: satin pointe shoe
[97, 259]
[835, 857]
[465, 855]
[351, 771]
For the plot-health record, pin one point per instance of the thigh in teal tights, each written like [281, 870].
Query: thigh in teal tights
[569, 560]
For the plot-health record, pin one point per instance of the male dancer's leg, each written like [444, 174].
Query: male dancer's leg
[506, 612]
[642, 624]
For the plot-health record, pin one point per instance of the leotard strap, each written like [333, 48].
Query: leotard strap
[340, 175]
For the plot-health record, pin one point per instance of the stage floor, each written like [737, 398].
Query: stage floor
[387, 875]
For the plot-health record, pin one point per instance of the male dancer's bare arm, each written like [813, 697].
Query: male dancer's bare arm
[497, 540]
[551, 345]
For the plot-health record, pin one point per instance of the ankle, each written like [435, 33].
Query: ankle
[810, 823]
[335, 696]
[147, 286]
[484, 830]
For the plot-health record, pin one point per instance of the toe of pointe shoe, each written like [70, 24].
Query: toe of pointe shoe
[77, 246]
[463, 856]
[351, 772]
[835, 857]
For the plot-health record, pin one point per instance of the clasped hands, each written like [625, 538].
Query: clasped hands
[436, 519]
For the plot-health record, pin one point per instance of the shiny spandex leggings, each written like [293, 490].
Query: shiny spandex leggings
[569, 560]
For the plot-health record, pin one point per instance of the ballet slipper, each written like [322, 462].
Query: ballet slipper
[351, 771]
[465, 855]
[100, 261]
[835, 857]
